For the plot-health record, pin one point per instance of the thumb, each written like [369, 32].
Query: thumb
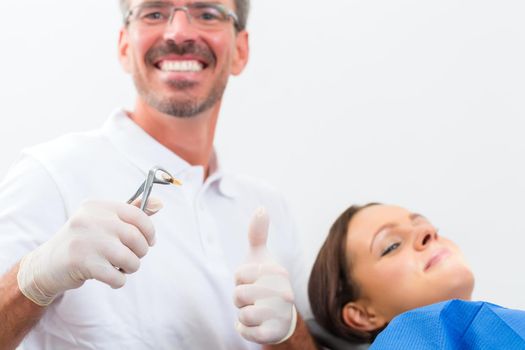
[154, 205]
[258, 231]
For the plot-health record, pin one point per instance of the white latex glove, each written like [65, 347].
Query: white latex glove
[103, 240]
[263, 293]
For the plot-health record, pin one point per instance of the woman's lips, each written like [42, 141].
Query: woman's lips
[437, 257]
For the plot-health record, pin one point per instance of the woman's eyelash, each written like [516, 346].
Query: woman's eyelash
[390, 248]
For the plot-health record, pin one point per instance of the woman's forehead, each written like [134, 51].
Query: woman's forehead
[369, 220]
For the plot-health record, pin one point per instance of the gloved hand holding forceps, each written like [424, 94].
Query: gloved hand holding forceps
[103, 240]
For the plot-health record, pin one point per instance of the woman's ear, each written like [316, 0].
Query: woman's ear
[361, 317]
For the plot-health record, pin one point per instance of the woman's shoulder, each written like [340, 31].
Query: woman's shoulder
[455, 324]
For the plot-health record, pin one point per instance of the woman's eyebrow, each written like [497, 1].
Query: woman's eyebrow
[382, 228]
[413, 217]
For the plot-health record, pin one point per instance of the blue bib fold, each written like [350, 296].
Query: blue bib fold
[455, 324]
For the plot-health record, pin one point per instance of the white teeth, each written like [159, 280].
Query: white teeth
[181, 66]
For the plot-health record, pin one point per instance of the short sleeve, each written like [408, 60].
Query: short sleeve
[31, 210]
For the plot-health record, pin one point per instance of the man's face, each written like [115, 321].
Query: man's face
[399, 261]
[178, 68]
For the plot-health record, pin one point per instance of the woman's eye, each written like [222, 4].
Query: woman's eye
[390, 248]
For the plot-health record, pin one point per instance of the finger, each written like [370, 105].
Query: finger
[153, 206]
[280, 286]
[255, 315]
[108, 274]
[258, 231]
[248, 294]
[132, 238]
[134, 216]
[120, 256]
[251, 272]
[258, 334]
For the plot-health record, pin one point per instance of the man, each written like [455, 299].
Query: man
[66, 251]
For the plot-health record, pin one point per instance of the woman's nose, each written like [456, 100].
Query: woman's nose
[424, 237]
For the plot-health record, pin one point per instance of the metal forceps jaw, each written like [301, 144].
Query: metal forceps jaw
[156, 175]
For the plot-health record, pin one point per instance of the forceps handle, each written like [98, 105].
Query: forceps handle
[147, 185]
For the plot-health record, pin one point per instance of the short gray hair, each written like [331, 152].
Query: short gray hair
[242, 8]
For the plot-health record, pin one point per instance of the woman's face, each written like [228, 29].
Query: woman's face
[400, 262]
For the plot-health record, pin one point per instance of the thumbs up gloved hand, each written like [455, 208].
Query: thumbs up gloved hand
[263, 293]
[97, 239]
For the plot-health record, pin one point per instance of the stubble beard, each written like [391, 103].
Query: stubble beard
[186, 106]
[181, 107]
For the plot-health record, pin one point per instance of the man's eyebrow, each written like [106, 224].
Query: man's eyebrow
[413, 217]
[152, 3]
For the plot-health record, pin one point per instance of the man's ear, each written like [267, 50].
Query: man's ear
[363, 318]
[123, 52]
[242, 53]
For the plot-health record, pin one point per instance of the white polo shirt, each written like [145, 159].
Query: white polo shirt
[181, 298]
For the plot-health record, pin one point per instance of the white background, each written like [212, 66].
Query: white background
[417, 103]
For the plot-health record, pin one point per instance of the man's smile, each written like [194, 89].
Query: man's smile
[180, 66]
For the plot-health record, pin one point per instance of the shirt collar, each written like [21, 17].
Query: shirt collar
[145, 152]
[225, 182]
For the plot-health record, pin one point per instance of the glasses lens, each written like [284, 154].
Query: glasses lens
[204, 15]
[208, 15]
[153, 13]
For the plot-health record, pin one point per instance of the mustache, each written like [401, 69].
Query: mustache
[187, 48]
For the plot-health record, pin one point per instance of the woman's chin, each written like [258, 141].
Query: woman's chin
[458, 285]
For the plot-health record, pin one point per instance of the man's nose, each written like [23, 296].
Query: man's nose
[424, 237]
[179, 28]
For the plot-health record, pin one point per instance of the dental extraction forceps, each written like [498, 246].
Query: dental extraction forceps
[156, 175]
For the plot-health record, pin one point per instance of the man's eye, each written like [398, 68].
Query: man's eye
[390, 248]
[153, 16]
[208, 15]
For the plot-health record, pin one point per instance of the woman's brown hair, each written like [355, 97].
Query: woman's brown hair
[331, 287]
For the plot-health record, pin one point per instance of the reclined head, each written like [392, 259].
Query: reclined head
[379, 261]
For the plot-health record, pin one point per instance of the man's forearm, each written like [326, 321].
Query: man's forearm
[17, 313]
[300, 340]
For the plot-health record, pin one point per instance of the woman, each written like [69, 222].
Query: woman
[377, 262]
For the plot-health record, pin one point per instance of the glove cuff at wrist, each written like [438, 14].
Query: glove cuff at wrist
[293, 325]
[27, 283]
